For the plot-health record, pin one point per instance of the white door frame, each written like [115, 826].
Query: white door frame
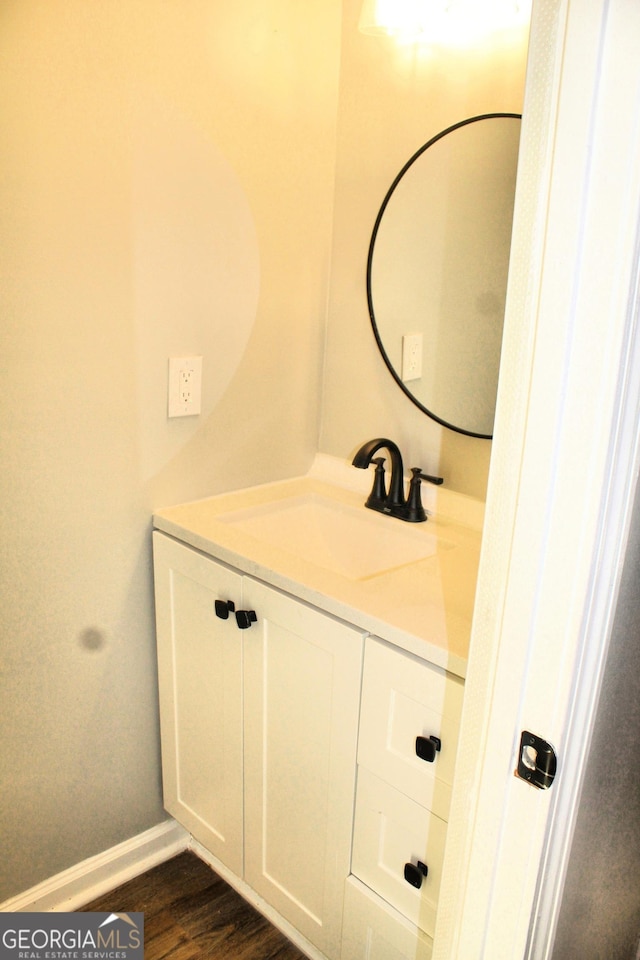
[565, 458]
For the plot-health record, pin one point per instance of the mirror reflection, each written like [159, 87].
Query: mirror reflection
[437, 270]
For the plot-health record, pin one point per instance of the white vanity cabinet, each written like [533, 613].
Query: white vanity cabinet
[259, 733]
[301, 752]
[408, 738]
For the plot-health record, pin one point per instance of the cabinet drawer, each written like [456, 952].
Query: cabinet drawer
[404, 698]
[392, 830]
[373, 930]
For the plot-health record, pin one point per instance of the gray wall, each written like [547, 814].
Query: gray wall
[600, 909]
[393, 98]
[166, 190]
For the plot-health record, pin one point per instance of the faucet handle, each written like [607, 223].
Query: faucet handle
[415, 512]
[378, 493]
[416, 471]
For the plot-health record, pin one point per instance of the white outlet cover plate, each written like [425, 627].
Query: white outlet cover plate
[185, 386]
[411, 356]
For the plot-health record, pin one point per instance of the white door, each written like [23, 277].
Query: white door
[200, 683]
[564, 462]
[302, 693]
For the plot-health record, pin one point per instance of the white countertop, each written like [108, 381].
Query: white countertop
[424, 607]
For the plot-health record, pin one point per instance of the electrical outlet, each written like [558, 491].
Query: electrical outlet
[411, 356]
[185, 386]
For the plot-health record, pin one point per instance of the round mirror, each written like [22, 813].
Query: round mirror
[437, 270]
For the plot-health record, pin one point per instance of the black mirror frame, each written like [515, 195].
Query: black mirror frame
[385, 202]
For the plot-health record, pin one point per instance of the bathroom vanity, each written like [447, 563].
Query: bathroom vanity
[311, 667]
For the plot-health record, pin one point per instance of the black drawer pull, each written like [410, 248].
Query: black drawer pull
[426, 748]
[245, 618]
[224, 608]
[415, 873]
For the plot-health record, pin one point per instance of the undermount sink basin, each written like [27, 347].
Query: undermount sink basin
[354, 542]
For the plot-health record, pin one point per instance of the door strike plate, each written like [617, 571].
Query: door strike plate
[537, 761]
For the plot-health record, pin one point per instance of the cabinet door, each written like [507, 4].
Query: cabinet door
[200, 682]
[302, 683]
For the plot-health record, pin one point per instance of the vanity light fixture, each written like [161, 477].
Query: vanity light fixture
[451, 22]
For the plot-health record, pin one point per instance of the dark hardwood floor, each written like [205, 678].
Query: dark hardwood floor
[190, 913]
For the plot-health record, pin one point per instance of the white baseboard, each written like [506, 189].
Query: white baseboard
[78, 885]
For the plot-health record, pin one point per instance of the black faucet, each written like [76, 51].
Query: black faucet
[393, 501]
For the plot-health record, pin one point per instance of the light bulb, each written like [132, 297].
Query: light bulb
[454, 22]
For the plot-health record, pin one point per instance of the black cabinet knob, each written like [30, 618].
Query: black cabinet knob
[414, 873]
[224, 608]
[245, 618]
[427, 747]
